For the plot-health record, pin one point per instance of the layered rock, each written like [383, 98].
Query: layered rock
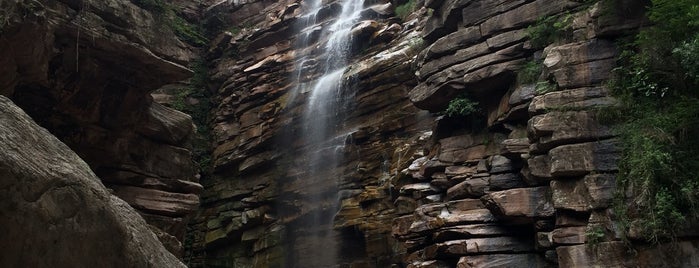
[84, 70]
[528, 180]
[54, 207]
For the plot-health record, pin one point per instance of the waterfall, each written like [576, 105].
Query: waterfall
[325, 43]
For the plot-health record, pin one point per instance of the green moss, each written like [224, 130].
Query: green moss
[402, 11]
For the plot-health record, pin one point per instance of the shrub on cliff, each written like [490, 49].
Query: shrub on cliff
[657, 83]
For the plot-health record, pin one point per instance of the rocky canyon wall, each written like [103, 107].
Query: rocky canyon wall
[471, 134]
[84, 70]
[528, 179]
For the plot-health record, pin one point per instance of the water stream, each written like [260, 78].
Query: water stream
[319, 75]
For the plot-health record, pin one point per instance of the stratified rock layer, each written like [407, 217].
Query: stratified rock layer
[56, 213]
[85, 70]
[526, 180]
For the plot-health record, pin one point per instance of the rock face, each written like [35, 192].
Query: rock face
[85, 70]
[55, 211]
[528, 179]
[525, 181]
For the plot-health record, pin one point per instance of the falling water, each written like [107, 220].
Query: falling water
[319, 75]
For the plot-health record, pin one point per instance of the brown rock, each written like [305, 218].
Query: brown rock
[556, 128]
[592, 192]
[469, 231]
[483, 245]
[585, 256]
[580, 159]
[592, 97]
[569, 235]
[520, 203]
[503, 260]
[158, 202]
[524, 15]
[49, 197]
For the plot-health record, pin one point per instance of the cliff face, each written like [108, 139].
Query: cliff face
[468, 134]
[525, 180]
[84, 70]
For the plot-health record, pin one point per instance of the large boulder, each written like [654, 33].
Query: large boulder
[56, 213]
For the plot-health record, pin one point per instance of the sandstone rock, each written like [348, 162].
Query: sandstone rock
[516, 146]
[478, 11]
[520, 204]
[523, 15]
[556, 128]
[452, 42]
[580, 159]
[51, 196]
[580, 98]
[429, 264]
[480, 245]
[576, 53]
[569, 235]
[469, 231]
[584, 256]
[584, 74]
[503, 260]
[156, 201]
[500, 164]
[444, 19]
[592, 192]
[473, 187]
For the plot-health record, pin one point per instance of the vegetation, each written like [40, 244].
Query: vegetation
[402, 11]
[200, 114]
[461, 106]
[184, 30]
[594, 235]
[549, 29]
[657, 83]
[530, 72]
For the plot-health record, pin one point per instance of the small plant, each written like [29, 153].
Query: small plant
[543, 87]
[461, 106]
[404, 10]
[187, 32]
[530, 72]
[549, 29]
[594, 235]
